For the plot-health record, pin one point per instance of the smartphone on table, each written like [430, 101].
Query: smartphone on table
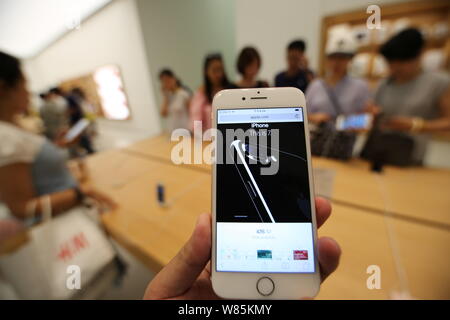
[264, 225]
[359, 122]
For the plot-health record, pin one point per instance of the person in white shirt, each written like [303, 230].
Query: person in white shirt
[175, 106]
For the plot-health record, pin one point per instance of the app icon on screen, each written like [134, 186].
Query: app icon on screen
[264, 254]
[300, 254]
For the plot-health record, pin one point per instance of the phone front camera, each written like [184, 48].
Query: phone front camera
[243, 98]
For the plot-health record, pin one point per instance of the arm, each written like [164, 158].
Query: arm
[443, 122]
[19, 192]
[8, 228]
[196, 107]
[79, 170]
[165, 106]
[318, 117]
[420, 125]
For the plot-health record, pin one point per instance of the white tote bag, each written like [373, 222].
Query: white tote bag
[47, 266]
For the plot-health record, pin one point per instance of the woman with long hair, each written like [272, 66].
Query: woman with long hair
[214, 80]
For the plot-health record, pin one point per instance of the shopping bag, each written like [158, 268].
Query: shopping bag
[61, 255]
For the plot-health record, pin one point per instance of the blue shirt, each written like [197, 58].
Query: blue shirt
[352, 95]
[49, 170]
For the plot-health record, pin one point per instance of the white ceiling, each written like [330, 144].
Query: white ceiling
[29, 26]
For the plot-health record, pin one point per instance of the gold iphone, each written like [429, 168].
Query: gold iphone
[264, 224]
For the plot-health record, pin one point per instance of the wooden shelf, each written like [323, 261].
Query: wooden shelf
[422, 14]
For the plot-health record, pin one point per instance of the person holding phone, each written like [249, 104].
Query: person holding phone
[75, 113]
[31, 166]
[337, 93]
[412, 101]
[188, 274]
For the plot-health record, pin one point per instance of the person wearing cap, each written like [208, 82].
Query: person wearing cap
[411, 100]
[337, 93]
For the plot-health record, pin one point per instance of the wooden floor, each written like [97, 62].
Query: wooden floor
[403, 213]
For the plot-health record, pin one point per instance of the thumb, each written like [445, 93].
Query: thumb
[182, 271]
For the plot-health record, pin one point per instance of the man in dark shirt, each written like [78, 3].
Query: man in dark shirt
[297, 74]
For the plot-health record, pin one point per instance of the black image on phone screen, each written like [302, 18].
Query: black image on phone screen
[243, 194]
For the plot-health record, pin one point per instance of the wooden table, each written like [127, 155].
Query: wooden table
[412, 194]
[364, 240]
[152, 232]
[155, 234]
[160, 149]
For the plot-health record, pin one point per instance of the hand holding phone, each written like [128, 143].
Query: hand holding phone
[264, 222]
[188, 274]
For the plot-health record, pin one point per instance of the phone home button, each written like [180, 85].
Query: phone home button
[265, 286]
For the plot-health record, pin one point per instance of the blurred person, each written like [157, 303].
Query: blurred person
[86, 106]
[337, 93]
[74, 109]
[53, 113]
[31, 166]
[31, 121]
[88, 112]
[248, 66]
[176, 99]
[188, 274]
[411, 100]
[75, 114]
[297, 74]
[214, 80]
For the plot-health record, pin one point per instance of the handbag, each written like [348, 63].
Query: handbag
[42, 266]
[388, 147]
[328, 142]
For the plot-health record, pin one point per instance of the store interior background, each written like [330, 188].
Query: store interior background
[142, 36]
